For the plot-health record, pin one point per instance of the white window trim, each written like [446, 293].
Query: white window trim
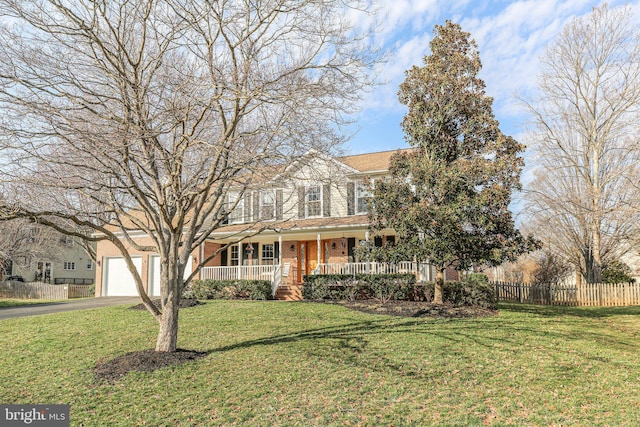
[273, 252]
[237, 254]
[69, 265]
[367, 190]
[260, 205]
[239, 207]
[306, 201]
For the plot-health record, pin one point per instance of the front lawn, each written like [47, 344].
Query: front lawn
[276, 363]
[13, 302]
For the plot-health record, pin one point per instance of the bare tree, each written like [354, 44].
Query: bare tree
[22, 241]
[141, 115]
[586, 140]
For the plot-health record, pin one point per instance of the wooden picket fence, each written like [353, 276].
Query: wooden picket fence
[589, 294]
[37, 290]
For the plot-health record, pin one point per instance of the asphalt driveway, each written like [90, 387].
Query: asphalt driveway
[58, 307]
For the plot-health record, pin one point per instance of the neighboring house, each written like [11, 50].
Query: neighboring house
[64, 262]
[632, 259]
[316, 217]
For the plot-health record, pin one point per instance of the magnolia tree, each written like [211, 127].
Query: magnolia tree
[139, 117]
[448, 198]
[583, 200]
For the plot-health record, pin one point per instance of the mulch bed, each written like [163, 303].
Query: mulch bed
[145, 360]
[418, 309]
[184, 303]
[150, 360]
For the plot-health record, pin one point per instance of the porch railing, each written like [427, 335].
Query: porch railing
[248, 272]
[272, 273]
[367, 268]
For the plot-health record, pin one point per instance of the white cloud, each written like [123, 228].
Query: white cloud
[511, 37]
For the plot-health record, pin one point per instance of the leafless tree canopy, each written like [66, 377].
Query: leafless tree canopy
[22, 241]
[142, 114]
[586, 140]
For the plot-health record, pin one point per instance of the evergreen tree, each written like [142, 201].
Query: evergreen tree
[448, 197]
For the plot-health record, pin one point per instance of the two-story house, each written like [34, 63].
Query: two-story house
[307, 218]
[58, 259]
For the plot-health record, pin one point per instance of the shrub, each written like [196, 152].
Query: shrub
[482, 294]
[401, 287]
[383, 287]
[478, 278]
[616, 272]
[228, 289]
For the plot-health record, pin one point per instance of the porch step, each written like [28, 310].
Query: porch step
[289, 293]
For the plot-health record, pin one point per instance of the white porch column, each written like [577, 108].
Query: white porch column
[366, 238]
[240, 256]
[319, 240]
[280, 250]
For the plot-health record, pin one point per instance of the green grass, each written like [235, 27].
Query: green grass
[11, 302]
[274, 363]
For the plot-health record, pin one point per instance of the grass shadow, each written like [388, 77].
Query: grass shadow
[561, 310]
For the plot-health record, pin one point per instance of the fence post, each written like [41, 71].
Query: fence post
[600, 294]
[520, 292]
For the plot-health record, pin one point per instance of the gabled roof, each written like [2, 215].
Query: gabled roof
[371, 162]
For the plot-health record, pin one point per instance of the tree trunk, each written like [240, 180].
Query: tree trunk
[168, 334]
[438, 292]
[596, 256]
[170, 298]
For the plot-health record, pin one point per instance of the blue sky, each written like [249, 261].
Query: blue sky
[511, 36]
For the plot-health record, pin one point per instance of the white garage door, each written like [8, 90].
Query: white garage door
[118, 280]
[154, 274]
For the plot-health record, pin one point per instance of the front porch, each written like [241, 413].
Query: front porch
[285, 288]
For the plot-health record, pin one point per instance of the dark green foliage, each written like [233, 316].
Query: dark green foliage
[383, 287]
[400, 287]
[468, 293]
[229, 289]
[616, 272]
[448, 197]
[478, 278]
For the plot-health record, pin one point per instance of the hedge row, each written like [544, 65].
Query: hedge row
[229, 289]
[401, 287]
[383, 287]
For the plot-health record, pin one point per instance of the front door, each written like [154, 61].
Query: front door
[312, 256]
[43, 272]
[302, 261]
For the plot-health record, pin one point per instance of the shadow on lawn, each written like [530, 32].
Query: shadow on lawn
[503, 333]
[560, 310]
[349, 343]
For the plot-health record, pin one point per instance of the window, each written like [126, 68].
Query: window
[234, 255]
[69, 265]
[236, 211]
[267, 205]
[268, 254]
[89, 265]
[314, 201]
[362, 195]
[66, 241]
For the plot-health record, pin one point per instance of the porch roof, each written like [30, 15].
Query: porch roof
[295, 226]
